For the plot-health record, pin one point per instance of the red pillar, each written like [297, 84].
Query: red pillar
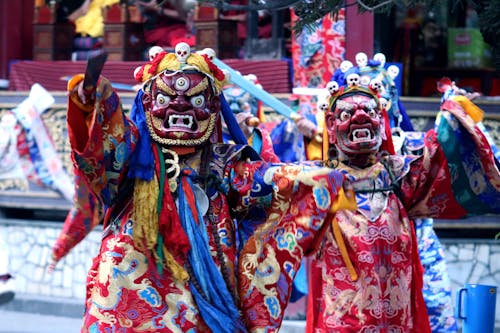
[359, 33]
[16, 32]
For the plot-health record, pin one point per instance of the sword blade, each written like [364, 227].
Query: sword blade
[93, 70]
[258, 93]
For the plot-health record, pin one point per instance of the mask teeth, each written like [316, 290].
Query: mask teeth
[366, 137]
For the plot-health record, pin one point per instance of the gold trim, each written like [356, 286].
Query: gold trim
[203, 85]
[163, 86]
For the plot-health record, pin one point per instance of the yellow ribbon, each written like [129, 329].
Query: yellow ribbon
[343, 250]
[470, 108]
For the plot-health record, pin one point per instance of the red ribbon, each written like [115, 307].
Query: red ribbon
[174, 237]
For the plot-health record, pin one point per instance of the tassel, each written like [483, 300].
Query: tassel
[145, 213]
[145, 231]
[470, 108]
[160, 258]
[177, 270]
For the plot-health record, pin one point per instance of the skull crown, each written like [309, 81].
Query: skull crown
[182, 52]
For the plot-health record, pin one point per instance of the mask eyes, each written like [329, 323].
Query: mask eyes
[181, 84]
[372, 113]
[198, 101]
[162, 99]
[344, 116]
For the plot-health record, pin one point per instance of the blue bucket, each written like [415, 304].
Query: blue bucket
[476, 307]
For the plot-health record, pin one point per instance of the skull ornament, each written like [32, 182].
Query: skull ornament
[210, 53]
[251, 77]
[345, 66]
[332, 87]
[393, 71]
[380, 57]
[361, 59]
[353, 79]
[383, 102]
[154, 51]
[323, 106]
[376, 85]
[182, 52]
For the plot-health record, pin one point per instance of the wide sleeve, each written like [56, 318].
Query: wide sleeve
[458, 175]
[303, 198]
[85, 214]
[267, 150]
[102, 139]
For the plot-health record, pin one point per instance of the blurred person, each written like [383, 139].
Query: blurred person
[264, 22]
[88, 19]
[249, 114]
[167, 22]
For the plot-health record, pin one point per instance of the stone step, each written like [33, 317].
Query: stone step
[44, 305]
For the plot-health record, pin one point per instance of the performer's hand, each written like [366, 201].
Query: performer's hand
[86, 94]
[318, 137]
[243, 120]
[295, 116]
[79, 95]
[253, 121]
[348, 189]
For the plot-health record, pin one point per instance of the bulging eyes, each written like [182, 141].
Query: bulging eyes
[344, 116]
[198, 101]
[372, 113]
[181, 84]
[162, 99]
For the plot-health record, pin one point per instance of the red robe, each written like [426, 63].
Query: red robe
[375, 286]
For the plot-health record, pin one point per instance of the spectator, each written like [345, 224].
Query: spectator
[167, 22]
[264, 21]
[87, 17]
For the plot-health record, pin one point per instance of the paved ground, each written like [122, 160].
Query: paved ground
[39, 314]
[25, 322]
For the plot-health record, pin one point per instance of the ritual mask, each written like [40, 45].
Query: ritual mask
[355, 124]
[181, 97]
[183, 108]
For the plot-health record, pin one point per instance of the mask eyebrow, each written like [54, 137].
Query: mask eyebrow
[163, 87]
[203, 85]
[371, 104]
[344, 106]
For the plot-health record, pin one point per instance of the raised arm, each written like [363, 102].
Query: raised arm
[458, 175]
[102, 137]
[301, 201]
